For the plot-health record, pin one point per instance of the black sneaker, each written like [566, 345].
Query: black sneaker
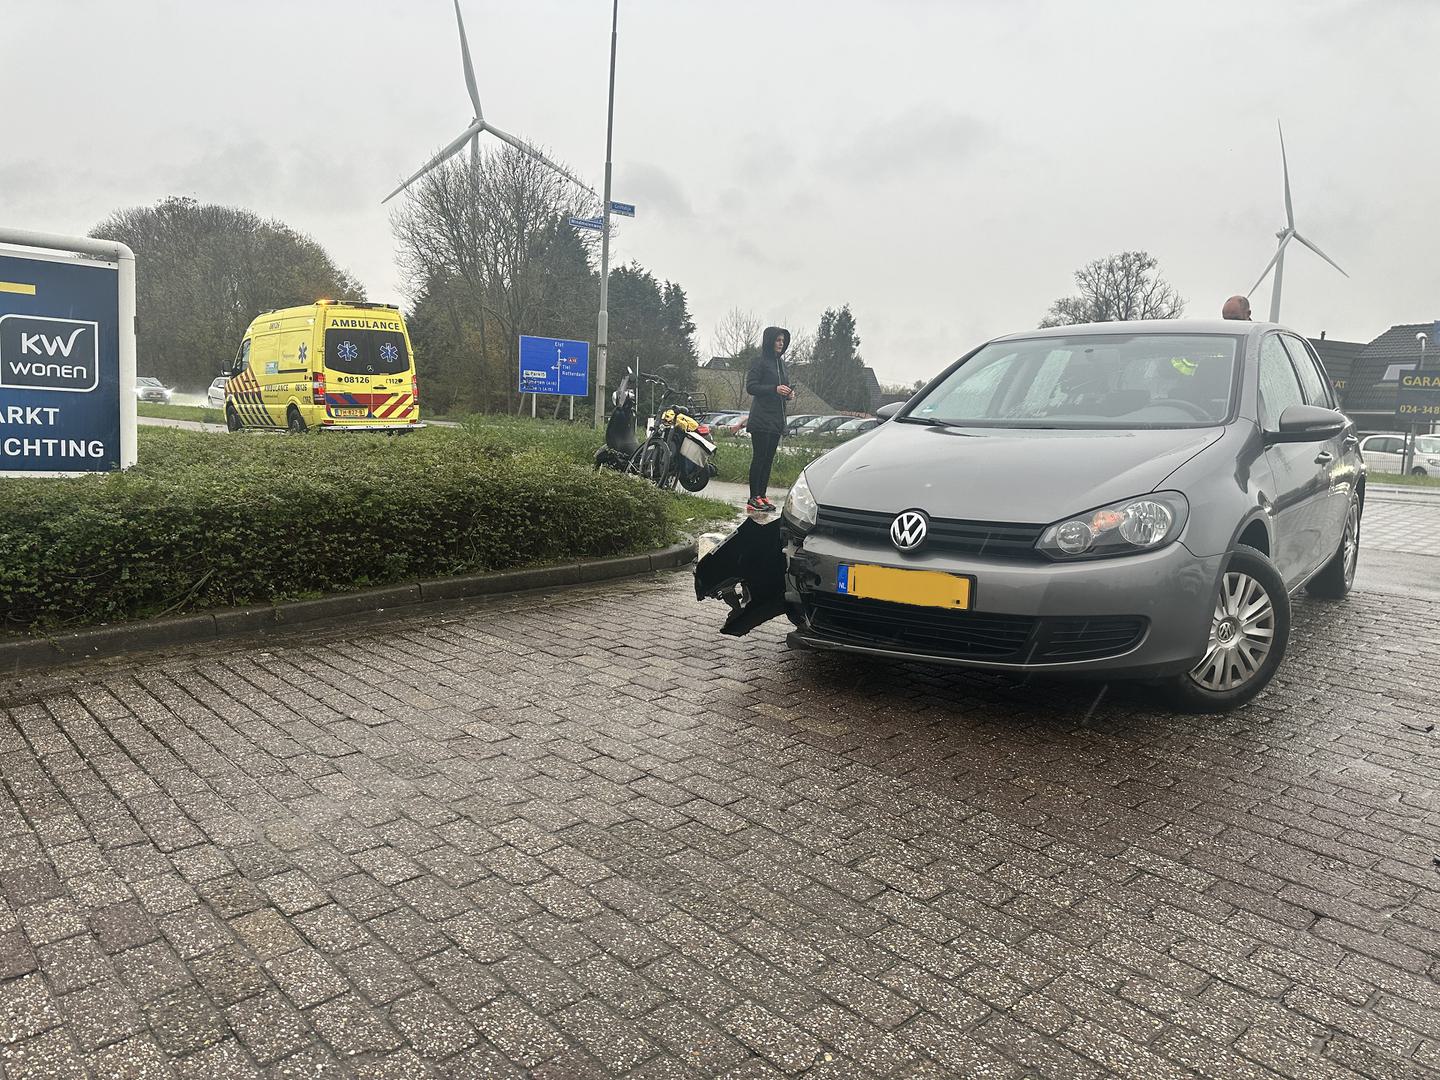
[757, 504]
[770, 507]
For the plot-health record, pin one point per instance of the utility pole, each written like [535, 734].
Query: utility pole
[602, 330]
[1408, 461]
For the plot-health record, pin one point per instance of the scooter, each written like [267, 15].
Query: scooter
[620, 442]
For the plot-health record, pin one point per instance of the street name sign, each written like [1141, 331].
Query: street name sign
[67, 369]
[554, 366]
[587, 223]
[624, 209]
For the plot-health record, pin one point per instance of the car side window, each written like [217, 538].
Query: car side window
[1312, 380]
[1279, 385]
[1383, 446]
[242, 358]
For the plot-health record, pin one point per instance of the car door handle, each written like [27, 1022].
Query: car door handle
[1324, 457]
[1351, 441]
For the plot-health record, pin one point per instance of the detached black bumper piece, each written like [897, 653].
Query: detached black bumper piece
[747, 571]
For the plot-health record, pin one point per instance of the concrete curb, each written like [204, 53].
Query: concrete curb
[29, 654]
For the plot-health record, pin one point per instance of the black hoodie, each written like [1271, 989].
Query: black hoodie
[767, 414]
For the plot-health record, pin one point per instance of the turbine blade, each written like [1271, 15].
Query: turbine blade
[1317, 251]
[1271, 264]
[449, 152]
[526, 148]
[1285, 166]
[469, 67]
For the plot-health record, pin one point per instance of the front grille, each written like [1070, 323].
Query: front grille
[970, 635]
[994, 539]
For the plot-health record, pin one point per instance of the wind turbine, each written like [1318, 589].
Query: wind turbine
[477, 127]
[1285, 235]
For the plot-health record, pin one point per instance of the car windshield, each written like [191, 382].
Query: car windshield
[1428, 444]
[147, 381]
[1116, 381]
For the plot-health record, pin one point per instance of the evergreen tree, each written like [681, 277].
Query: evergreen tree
[835, 371]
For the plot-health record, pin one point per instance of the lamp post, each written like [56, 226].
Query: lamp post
[602, 329]
[1409, 459]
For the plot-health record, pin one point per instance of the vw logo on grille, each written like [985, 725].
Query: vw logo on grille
[907, 531]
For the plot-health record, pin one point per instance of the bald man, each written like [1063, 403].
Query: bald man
[1237, 307]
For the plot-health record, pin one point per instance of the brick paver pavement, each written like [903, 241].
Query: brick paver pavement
[584, 836]
[1405, 523]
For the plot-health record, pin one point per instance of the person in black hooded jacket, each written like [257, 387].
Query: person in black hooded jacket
[768, 384]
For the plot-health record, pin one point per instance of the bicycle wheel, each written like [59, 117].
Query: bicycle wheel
[652, 462]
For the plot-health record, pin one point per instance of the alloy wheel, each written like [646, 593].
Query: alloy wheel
[1241, 633]
[1350, 545]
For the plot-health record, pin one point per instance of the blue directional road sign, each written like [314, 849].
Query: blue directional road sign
[60, 387]
[554, 366]
[587, 222]
[624, 209]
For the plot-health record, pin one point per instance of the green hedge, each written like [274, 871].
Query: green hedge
[208, 520]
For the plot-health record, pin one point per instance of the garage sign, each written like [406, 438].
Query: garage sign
[67, 374]
[1419, 396]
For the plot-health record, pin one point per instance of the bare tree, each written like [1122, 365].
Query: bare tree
[1119, 288]
[736, 335]
[492, 228]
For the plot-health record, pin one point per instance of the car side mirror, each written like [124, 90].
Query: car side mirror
[885, 412]
[1308, 423]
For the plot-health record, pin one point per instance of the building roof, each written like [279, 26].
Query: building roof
[724, 389]
[872, 389]
[1339, 358]
[1369, 390]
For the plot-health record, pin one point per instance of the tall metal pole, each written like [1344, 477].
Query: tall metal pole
[1275, 285]
[1407, 460]
[602, 330]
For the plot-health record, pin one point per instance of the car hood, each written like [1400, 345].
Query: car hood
[1004, 475]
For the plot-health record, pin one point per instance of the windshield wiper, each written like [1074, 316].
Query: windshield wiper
[928, 420]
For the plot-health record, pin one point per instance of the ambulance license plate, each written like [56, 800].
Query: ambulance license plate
[352, 414]
[922, 588]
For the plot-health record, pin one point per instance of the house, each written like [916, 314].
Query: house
[1339, 358]
[724, 391]
[1370, 393]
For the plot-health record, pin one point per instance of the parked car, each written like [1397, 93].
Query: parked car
[215, 395]
[148, 389]
[794, 423]
[736, 424]
[822, 425]
[857, 426]
[1386, 454]
[1119, 503]
[719, 420]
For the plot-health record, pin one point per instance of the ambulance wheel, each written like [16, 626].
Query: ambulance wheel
[294, 422]
[232, 418]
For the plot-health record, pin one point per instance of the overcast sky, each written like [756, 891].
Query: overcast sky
[942, 166]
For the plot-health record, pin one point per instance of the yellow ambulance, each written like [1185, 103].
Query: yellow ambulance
[335, 364]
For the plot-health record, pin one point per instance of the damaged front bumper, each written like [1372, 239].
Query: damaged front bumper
[746, 570]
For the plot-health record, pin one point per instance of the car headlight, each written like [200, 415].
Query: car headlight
[1141, 524]
[800, 509]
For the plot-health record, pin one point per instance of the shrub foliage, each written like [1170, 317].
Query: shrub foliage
[206, 520]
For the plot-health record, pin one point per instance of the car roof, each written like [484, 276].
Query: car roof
[1228, 327]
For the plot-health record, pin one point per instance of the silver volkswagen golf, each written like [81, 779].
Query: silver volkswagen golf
[1124, 500]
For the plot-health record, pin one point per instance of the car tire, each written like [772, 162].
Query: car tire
[1335, 579]
[1251, 646]
[1417, 471]
[232, 419]
[294, 422]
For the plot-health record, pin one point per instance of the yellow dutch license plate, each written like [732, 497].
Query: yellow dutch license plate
[923, 588]
[352, 414]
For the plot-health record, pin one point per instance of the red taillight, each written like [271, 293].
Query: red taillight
[415, 389]
[317, 388]
[703, 429]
